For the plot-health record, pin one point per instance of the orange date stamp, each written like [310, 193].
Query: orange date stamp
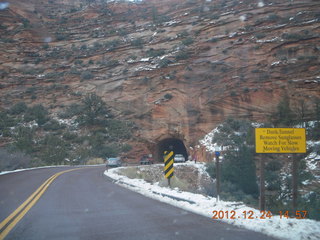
[260, 215]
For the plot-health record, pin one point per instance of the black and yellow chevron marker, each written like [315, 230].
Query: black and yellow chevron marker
[168, 164]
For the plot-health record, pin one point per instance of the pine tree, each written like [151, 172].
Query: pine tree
[94, 109]
[238, 167]
[284, 116]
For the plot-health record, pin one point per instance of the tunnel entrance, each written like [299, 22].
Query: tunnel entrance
[174, 144]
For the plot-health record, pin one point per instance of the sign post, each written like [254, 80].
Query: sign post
[217, 154]
[280, 140]
[262, 198]
[168, 158]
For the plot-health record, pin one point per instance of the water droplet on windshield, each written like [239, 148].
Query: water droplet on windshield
[47, 39]
[243, 18]
[4, 5]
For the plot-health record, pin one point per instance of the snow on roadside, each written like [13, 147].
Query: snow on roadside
[207, 141]
[301, 229]
[27, 169]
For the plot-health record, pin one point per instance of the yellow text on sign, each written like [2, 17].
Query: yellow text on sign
[280, 140]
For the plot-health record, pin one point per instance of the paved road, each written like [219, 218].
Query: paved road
[84, 204]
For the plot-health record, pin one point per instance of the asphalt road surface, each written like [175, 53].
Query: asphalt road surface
[84, 204]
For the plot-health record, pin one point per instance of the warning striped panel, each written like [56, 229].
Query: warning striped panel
[168, 164]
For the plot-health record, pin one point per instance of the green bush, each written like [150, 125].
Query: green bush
[182, 55]
[62, 36]
[53, 125]
[38, 113]
[292, 36]
[183, 34]
[311, 204]
[117, 129]
[78, 62]
[168, 96]
[273, 18]
[155, 52]
[137, 42]
[86, 75]
[112, 63]
[164, 62]
[211, 169]
[111, 45]
[260, 35]
[126, 148]
[5, 123]
[188, 41]
[53, 150]
[72, 110]
[104, 150]
[23, 139]
[68, 136]
[74, 71]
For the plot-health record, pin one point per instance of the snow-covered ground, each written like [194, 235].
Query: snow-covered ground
[27, 169]
[281, 228]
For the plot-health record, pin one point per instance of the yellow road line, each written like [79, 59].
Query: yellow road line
[19, 213]
[13, 214]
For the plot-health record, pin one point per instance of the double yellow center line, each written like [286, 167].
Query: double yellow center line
[11, 221]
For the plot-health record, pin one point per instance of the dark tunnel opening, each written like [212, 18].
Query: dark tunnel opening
[174, 144]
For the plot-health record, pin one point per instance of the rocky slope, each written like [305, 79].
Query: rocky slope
[176, 68]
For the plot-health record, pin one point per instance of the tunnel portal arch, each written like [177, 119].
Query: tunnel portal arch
[174, 144]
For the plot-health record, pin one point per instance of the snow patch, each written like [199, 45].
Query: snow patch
[170, 23]
[146, 68]
[276, 63]
[243, 18]
[207, 142]
[269, 40]
[144, 59]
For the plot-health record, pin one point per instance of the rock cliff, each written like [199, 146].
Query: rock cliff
[176, 68]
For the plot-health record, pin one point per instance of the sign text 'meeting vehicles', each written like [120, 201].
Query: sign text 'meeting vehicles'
[280, 140]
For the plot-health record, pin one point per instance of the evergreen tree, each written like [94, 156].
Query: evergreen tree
[94, 110]
[315, 130]
[238, 167]
[284, 116]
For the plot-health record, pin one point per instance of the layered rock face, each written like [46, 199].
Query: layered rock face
[176, 68]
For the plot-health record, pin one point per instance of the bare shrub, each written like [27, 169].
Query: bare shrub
[11, 161]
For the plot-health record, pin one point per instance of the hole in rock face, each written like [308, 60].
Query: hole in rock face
[170, 144]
